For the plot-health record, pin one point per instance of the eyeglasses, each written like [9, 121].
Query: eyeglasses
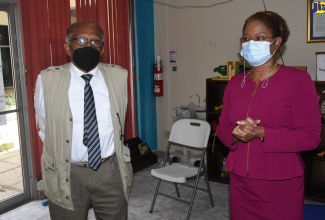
[258, 38]
[84, 41]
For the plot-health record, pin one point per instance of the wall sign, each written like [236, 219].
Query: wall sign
[315, 21]
[172, 56]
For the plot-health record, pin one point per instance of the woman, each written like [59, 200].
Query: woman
[270, 114]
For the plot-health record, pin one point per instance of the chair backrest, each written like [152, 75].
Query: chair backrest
[190, 132]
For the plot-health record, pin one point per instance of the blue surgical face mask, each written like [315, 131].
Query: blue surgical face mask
[256, 52]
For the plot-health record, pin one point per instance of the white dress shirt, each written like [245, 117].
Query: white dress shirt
[76, 100]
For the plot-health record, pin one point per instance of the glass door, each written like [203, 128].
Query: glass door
[15, 172]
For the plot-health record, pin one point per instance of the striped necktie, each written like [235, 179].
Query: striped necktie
[91, 135]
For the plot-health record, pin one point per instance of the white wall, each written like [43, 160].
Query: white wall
[207, 38]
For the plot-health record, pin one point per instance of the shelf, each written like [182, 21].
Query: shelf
[217, 152]
[316, 193]
[214, 113]
[314, 165]
[319, 158]
[219, 180]
[319, 83]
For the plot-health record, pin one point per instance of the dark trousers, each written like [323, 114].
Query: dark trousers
[103, 189]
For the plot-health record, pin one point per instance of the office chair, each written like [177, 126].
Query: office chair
[194, 134]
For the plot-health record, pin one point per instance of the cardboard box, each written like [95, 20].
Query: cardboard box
[320, 66]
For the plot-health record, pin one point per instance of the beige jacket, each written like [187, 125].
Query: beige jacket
[56, 155]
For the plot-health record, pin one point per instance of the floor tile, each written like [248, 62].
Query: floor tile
[7, 166]
[141, 196]
[32, 210]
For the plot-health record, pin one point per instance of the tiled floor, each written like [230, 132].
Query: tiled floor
[11, 181]
[140, 201]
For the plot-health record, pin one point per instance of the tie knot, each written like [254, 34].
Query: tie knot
[87, 77]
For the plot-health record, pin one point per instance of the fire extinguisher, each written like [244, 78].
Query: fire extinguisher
[158, 77]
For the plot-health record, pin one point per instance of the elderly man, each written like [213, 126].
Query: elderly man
[80, 109]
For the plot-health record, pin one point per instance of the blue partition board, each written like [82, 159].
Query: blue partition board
[145, 59]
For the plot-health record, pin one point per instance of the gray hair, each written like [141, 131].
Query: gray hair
[74, 25]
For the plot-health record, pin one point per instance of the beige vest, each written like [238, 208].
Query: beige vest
[56, 155]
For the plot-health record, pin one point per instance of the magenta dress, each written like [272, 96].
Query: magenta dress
[267, 177]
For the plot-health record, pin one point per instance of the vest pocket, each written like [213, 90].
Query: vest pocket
[126, 154]
[50, 177]
[128, 169]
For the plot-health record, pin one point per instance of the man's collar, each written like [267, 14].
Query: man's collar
[76, 73]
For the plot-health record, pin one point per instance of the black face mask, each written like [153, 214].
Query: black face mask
[86, 58]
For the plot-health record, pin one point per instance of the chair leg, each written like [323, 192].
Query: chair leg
[176, 188]
[208, 188]
[155, 195]
[192, 198]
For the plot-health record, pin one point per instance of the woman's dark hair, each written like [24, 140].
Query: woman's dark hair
[274, 22]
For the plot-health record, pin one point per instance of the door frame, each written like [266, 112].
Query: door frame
[28, 172]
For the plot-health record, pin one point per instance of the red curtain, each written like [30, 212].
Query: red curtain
[44, 25]
[114, 18]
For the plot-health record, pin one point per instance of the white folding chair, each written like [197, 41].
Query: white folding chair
[192, 133]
